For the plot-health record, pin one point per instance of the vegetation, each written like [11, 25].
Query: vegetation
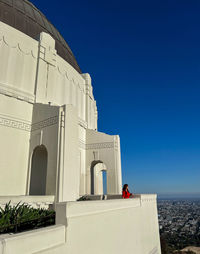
[173, 243]
[23, 217]
[83, 198]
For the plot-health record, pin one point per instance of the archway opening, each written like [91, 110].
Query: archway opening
[38, 171]
[98, 178]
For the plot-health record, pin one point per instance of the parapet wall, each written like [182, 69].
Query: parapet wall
[111, 226]
[34, 241]
[101, 227]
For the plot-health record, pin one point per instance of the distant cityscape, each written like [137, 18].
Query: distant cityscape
[179, 222]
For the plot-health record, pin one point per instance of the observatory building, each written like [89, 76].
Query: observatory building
[51, 152]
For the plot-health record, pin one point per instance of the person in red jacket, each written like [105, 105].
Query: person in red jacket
[125, 192]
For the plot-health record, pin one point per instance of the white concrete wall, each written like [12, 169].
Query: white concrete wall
[69, 175]
[82, 160]
[56, 128]
[101, 147]
[59, 83]
[111, 226]
[45, 131]
[15, 124]
[31, 71]
[18, 63]
[44, 240]
[91, 109]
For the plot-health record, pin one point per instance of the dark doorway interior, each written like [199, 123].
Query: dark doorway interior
[38, 171]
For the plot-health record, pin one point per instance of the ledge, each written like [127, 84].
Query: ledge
[32, 241]
[68, 210]
[142, 197]
[87, 208]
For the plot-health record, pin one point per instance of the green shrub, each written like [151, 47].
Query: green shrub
[83, 198]
[23, 217]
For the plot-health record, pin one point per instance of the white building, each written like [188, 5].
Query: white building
[51, 151]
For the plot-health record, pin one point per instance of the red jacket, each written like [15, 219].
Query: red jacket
[126, 194]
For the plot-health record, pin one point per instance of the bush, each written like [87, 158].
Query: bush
[83, 198]
[23, 217]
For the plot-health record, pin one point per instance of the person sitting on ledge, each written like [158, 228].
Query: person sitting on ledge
[125, 192]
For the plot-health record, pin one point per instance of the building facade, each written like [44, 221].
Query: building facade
[48, 116]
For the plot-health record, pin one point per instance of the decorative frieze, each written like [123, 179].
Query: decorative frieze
[45, 123]
[103, 145]
[95, 146]
[64, 71]
[22, 125]
[26, 48]
[13, 123]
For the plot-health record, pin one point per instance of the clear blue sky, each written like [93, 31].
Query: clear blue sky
[144, 59]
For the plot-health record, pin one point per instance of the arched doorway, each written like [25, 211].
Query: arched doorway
[38, 171]
[98, 178]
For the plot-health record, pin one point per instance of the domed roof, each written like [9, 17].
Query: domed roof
[24, 16]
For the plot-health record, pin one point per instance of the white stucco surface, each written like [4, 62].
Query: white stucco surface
[35, 241]
[45, 102]
[111, 226]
